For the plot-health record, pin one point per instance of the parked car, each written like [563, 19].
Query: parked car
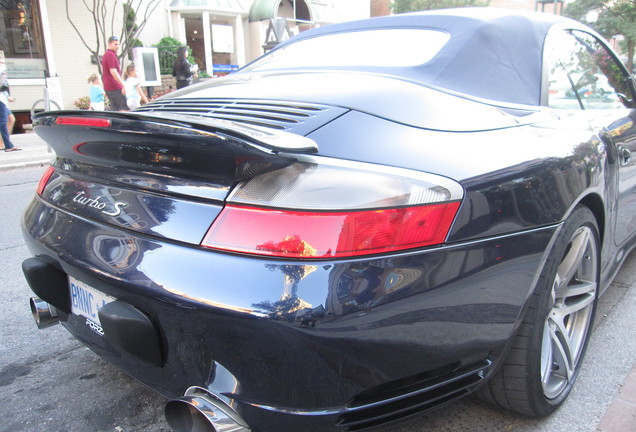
[371, 220]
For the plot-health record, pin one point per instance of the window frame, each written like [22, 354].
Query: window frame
[264, 64]
[32, 64]
[545, 75]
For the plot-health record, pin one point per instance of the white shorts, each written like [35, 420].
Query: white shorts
[97, 106]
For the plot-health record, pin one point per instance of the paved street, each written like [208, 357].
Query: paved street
[50, 382]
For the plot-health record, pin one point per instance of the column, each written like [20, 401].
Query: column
[207, 43]
[239, 38]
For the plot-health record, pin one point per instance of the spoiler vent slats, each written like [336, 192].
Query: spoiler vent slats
[299, 118]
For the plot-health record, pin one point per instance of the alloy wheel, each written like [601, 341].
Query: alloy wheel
[572, 306]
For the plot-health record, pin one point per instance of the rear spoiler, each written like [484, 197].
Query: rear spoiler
[271, 139]
[169, 144]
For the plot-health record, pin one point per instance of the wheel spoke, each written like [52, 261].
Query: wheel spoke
[574, 304]
[547, 359]
[574, 257]
[574, 290]
[561, 338]
[563, 355]
[564, 292]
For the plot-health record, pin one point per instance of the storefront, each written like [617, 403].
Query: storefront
[21, 39]
[38, 39]
[23, 43]
[213, 30]
[225, 35]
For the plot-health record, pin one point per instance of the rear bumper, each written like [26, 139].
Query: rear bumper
[329, 345]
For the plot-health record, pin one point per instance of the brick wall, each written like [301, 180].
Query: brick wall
[168, 83]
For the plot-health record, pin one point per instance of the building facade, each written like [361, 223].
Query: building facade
[226, 34]
[45, 41]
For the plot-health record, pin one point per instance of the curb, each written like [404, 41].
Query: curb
[26, 164]
[621, 413]
[35, 153]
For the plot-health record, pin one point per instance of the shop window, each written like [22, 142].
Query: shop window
[223, 46]
[21, 38]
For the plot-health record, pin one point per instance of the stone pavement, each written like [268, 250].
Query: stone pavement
[619, 417]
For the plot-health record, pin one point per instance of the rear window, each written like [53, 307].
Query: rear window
[383, 48]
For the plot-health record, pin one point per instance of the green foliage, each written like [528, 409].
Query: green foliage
[401, 6]
[579, 9]
[169, 42]
[131, 17]
[168, 47]
[133, 44]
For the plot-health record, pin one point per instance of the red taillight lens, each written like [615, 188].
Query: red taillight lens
[302, 234]
[83, 121]
[330, 208]
[45, 179]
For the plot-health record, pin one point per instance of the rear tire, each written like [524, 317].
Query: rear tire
[545, 358]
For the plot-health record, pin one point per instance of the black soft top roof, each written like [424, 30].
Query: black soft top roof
[492, 53]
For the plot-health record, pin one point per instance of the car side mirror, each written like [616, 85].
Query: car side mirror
[625, 100]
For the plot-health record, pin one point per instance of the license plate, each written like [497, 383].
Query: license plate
[86, 300]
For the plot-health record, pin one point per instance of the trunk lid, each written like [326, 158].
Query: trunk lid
[163, 175]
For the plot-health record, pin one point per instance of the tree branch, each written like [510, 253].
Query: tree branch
[68, 17]
[133, 32]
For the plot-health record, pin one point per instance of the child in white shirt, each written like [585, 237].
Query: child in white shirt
[135, 96]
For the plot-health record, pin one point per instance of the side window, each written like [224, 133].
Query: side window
[583, 74]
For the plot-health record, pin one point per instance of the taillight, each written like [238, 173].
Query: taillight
[309, 210]
[83, 121]
[45, 179]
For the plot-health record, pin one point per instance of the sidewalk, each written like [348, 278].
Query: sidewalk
[621, 414]
[35, 152]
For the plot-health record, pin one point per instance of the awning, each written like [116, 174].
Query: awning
[266, 9]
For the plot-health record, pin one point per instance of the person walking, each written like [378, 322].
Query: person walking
[6, 116]
[111, 76]
[96, 93]
[182, 69]
[135, 96]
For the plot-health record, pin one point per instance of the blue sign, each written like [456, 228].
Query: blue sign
[225, 68]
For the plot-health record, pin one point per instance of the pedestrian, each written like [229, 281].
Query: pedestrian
[111, 76]
[7, 119]
[96, 93]
[182, 69]
[135, 96]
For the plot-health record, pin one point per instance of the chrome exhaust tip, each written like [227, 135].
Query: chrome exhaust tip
[44, 314]
[198, 410]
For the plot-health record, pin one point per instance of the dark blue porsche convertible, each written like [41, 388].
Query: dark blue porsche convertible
[373, 219]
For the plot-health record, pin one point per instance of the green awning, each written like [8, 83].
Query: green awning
[265, 9]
